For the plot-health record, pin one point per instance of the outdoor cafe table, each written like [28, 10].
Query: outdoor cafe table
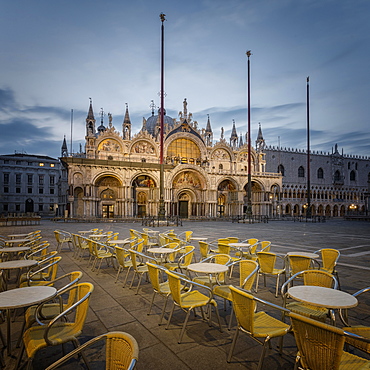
[16, 241]
[322, 296]
[304, 254]
[208, 268]
[23, 297]
[17, 264]
[11, 250]
[162, 251]
[12, 236]
[119, 241]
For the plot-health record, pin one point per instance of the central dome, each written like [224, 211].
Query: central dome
[152, 121]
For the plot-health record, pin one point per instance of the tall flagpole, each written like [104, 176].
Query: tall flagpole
[249, 189]
[161, 210]
[308, 211]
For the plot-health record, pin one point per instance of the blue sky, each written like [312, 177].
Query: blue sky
[55, 55]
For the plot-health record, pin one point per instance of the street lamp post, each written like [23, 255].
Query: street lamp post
[308, 211]
[249, 188]
[161, 210]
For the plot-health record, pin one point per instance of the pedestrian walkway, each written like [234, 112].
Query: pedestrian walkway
[113, 307]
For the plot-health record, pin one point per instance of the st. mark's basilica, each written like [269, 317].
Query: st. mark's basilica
[118, 173]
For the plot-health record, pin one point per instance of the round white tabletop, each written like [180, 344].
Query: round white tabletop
[239, 245]
[23, 297]
[14, 249]
[163, 250]
[17, 264]
[14, 241]
[12, 236]
[198, 239]
[322, 297]
[207, 267]
[304, 254]
[98, 236]
[119, 241]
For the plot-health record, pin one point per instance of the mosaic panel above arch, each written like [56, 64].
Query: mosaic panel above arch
[142, 147]
[221, 154]
[226, 185]
[109, 145]
[188, 179]
[143, 181]
[108, 181]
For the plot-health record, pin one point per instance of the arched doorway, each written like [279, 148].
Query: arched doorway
[142, 191]
[184, 202]
[227, 198]
[29, 205]
[108, 199]
[78, 206]
[107, 189]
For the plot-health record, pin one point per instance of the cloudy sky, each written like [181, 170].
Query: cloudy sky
[55, 55]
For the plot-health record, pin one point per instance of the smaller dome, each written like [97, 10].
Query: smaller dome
[151, 122]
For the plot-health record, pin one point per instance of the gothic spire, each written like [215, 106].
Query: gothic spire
[260, 142]
[208, 133]
[126, 125]
[208, 127]
[234, 135]
[64, 148]
[90, 114]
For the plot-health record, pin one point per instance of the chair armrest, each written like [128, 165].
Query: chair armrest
[62, 314]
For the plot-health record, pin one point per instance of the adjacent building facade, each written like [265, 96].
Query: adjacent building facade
[29, 184]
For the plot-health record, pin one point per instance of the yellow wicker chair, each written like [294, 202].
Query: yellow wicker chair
[121, 351]
[161, 288]
[124, 262]
[320, 346]
[139, 266]
[258, 325]
[222, 259]
[329, 258]
[62, 237]
[41, 274]
[204, 250]
[247, 274]
[267, 263]
[56, 331]
[183, 261]
[310, 277]
[100, 252]
[296, 263]
[50, 310]
[361, 330]
[190, 300]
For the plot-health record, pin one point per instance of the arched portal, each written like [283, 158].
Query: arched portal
[143, 187]
[78, 206]
[184, 206]
[227, 198]
[29, 205]
[108, 189]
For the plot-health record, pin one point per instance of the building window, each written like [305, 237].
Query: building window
[281, 169]
[349, 165]
[52, 180]
[352, 176]
[51, 191]
[18, 163]
[18, 178]
[6, 178]
[29, 190]
[29, 163]
[320, 173]
[41, 164]
[41, 207]
[41, 179]
[51, 207]
[6, 189]
[29, 179]
[52, 165]
[6, 161]
[5, 207]
[301, 171]
[17, 207]
[18, 190]
[41, 190]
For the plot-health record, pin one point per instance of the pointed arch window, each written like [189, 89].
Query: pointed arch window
[301, 171]
[320, 173]
[337, 176]
[281, 169]
[352, 176]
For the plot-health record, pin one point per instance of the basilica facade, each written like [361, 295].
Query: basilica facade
[118, 174]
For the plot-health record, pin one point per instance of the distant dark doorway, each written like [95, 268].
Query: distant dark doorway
[183, 208]
[29, 205]
[141, 210]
